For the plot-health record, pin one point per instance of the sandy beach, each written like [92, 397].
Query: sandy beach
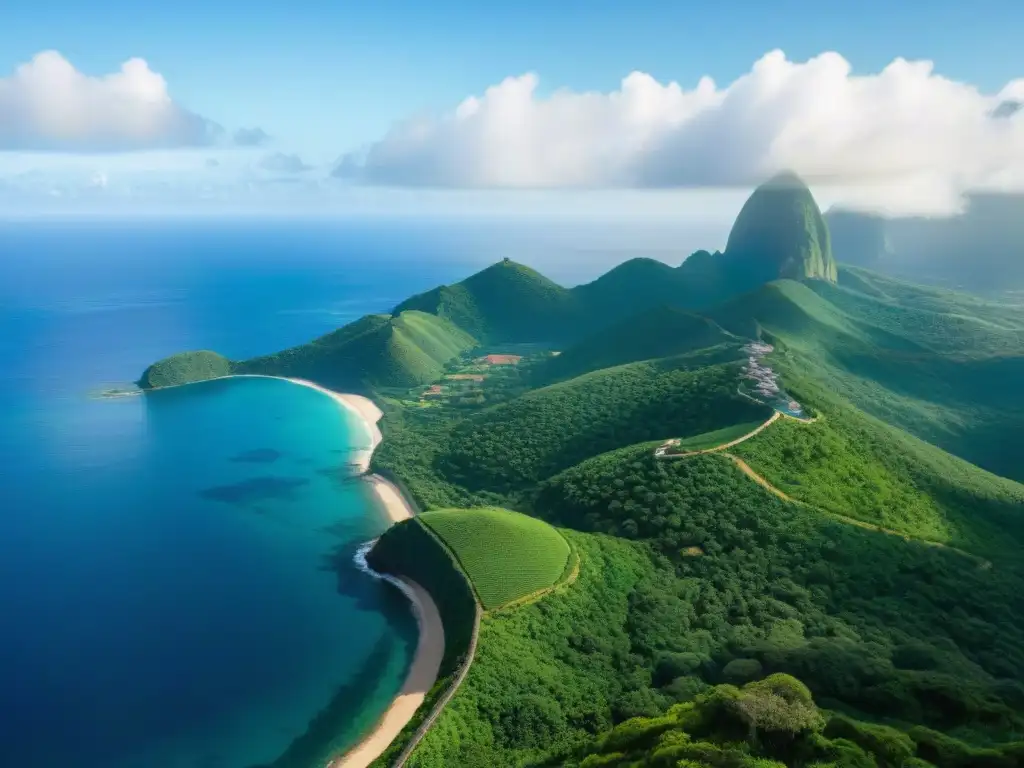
[430, 646]
[422, 675]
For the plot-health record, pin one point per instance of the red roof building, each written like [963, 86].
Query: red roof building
[502, 359]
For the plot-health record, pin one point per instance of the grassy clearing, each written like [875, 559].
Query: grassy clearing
[507, 555]
[718, 437]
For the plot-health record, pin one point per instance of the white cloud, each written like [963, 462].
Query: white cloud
[47, 104]
[903, 140]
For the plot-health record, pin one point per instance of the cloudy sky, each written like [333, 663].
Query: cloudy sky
[592, 108]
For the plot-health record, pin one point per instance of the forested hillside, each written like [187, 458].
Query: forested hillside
[505, 302]
[512, 446]
[661, 332]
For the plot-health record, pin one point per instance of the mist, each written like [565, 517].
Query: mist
[981, 249]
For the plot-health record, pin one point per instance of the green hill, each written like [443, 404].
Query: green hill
[780, 233]
[661, 332]
[506, 555]
[184, 368]
[378, 350]
[742, 555]
[853, 465]
[505, 302]
[706, 579]
[635, 286]
[374, 351]
[511, 446]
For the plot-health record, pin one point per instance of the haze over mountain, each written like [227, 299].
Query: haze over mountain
[981, 248]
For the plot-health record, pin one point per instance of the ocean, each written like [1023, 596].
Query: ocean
[176, 569]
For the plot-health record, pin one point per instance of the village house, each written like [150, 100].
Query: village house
[501, 359]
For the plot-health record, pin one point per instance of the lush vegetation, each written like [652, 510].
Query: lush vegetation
[509, 447]
[660, 332]
[374, 351]
[506, 555]
[184, 368]
[635, 286]
[951, 381]
[773, 723]
[551, 674]
[888, 626]
[850, 464]
[378, 350]
[505, 302]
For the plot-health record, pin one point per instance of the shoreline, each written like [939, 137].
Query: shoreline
[426, 660]
[421, 677]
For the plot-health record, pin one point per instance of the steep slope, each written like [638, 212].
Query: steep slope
[505, 302]
[661, 332]
[780, 233]
[378, 350]
[794, 313]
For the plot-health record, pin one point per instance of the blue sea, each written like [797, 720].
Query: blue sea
[176, 572]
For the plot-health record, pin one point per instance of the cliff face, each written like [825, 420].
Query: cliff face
[780, 233]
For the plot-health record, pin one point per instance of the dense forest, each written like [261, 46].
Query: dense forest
[513, 446]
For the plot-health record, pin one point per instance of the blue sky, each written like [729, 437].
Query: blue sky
[324, 78]
[331, 75]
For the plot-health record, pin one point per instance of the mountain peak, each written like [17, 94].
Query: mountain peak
[785, 180]
[780, 233]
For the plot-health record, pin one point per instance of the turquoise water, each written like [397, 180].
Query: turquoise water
[194, 601]
[166, 601]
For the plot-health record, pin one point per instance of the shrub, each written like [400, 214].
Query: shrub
[741, 670]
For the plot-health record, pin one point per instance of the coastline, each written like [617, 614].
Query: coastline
[421, 678]
[426, 661]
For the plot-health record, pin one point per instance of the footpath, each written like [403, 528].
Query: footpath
[764, 483]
